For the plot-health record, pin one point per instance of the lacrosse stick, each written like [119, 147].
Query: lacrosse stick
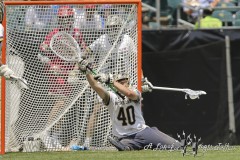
[189, 93]
[20, 82]
[66, 47]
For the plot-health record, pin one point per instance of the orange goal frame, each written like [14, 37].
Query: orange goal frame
[139, 48]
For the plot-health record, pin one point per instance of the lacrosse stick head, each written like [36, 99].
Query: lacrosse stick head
[65, 47]
[193, 94]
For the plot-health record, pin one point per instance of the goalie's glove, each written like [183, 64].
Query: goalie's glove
[146, 85]
[104, 78]
[6, 72]
[146, 88]
[83, 64]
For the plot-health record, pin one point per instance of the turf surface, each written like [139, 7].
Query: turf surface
[217, 153]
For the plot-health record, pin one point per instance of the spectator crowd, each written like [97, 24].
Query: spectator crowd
[212, 13]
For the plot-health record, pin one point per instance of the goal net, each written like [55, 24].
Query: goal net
[60, 109]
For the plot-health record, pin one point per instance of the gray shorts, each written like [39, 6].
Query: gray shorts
[150, 138]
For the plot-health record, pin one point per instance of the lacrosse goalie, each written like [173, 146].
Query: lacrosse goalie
[128, 124]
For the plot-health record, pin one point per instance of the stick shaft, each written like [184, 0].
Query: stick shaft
[108, 85]
[169, 89]
[21, 81]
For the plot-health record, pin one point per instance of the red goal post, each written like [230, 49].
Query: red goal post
[9, 52]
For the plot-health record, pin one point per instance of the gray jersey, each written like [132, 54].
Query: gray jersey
[126, 115]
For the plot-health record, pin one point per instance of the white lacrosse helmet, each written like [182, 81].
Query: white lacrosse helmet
[113, 20]
[120, 77]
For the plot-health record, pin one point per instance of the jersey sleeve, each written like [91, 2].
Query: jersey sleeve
[112, 99]
[139, 95]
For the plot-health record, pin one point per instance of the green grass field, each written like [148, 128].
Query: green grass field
[221, 154]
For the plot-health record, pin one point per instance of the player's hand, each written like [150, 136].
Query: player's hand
[146, 88]
[83, 65]
[6, 72]
[146, 85]
[104, 78]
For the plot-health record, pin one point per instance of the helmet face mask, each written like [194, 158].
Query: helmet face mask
[113, 24]
[122, 79]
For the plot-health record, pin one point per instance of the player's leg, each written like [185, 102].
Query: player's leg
[119, 145]
[54, 136]
[158, 139]
[57, 107]
[133, 142]
[149, 138]
[91, 124]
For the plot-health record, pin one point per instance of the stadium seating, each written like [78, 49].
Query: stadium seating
[165, 11]
[168, 12]
[237, 15]
[174, 3]
[236, 22]
[227, 4]
[237, 19]
[225, 16]
[231, 1]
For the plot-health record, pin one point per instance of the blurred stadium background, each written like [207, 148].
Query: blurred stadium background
[177, 55]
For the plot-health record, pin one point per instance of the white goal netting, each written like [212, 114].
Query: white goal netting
[60, 109]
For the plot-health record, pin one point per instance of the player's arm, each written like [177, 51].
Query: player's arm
[126, 91]
[121, 88]
[93, 83]
[79, 38]
[45, 45]
[98, 88]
